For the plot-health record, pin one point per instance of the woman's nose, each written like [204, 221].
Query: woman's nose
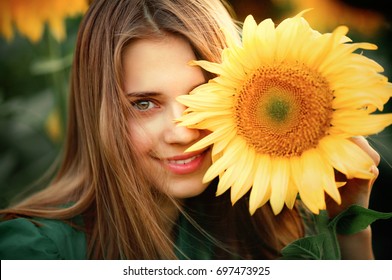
[175, 134]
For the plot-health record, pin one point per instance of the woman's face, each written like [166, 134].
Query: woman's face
[156, 72]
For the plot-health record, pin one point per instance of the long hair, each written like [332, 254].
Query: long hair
[234, 233]
[100, 176]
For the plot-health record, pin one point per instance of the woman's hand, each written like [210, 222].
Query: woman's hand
[356, 191]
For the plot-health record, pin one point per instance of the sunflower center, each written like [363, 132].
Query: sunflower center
[284, 110]
[278, 109]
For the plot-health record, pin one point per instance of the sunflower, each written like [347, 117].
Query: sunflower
[282, 109]
[30, 16]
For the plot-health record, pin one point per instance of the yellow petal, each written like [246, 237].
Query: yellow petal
[210, 66]
[310, 188]
[194, 118]
[347, 157]
[279, 182]
[292, 189]
[207, 102]
[245, 171]
[249, 41]
[266, 40]
[354, 99]
[227, 180]
[261, 190]
[323, 45]
[358, 123]
[224, 143]
[290, 32]
[328, 181]
[229, 158]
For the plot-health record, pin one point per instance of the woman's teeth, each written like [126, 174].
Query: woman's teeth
[183, 161]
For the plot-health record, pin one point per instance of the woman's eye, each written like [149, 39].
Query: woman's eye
[143, 105]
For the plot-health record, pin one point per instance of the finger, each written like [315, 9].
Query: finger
[364, 145]
[376, 172]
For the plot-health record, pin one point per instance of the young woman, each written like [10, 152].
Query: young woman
[125, 188]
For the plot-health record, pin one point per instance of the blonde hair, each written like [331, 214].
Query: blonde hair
[100, 175]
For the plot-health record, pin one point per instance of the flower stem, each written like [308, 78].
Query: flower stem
[323, 226]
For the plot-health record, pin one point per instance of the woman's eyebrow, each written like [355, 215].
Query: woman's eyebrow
[155, 93]
[143, 94]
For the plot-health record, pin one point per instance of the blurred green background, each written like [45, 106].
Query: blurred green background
[34, 79]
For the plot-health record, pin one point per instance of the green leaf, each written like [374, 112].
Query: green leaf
[355, 219]
[309, 248]
[51, 65]
[324, 245]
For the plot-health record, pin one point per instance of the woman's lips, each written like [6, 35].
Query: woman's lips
[186, 163]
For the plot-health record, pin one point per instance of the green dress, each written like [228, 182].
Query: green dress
[41, 239]
[46, 239]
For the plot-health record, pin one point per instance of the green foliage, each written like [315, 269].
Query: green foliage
[324, 245]
[33, 84]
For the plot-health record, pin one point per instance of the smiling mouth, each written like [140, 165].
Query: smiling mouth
[183, 161]
[185, 164]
